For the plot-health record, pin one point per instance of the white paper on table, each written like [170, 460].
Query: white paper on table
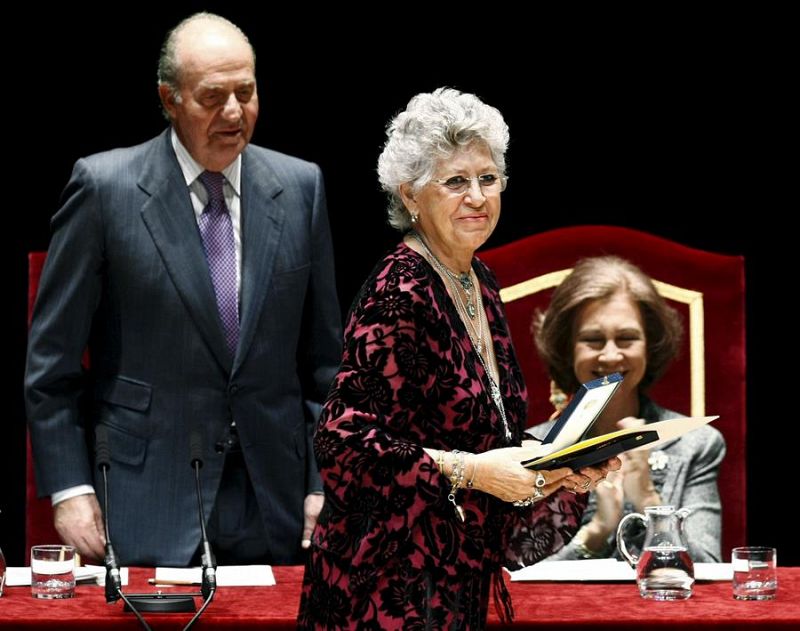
[586, 570]
[21, 576]
[18, 576]
[100, 574]
[713, 571]
[227, 576]
[602, 570]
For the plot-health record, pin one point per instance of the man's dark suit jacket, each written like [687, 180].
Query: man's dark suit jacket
[126, 277]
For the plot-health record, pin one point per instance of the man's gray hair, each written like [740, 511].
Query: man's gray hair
[168, 67]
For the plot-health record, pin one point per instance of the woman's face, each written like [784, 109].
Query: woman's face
[609, 337]
[456, 223]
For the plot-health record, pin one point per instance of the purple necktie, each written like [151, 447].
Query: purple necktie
[217, 232]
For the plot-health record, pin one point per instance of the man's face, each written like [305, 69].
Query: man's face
[218, 105]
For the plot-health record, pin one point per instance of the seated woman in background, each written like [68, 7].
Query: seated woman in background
[608, 317]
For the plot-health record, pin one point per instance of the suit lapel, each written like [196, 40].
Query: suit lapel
[262, 223]
[170, 219]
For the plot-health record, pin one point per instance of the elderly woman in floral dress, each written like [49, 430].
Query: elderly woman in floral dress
[420, 441]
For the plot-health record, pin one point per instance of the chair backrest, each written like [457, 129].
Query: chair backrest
[39, 526]
[707, 289]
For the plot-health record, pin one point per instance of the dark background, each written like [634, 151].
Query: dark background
[674, 124]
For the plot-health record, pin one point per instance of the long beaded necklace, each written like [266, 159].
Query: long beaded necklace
[464, 314]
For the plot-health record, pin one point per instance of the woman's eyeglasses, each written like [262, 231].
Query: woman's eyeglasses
[489, 183]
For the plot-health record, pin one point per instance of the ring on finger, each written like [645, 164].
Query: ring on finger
[539, 480]
[537, 494]
[585, 486]
[526, 502]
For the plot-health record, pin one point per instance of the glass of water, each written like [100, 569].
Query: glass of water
[755, 573]
[53, 571]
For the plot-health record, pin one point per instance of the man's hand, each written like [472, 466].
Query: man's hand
[312, 506]
[79, 522]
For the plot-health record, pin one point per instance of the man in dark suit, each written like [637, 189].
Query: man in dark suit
[198, 272]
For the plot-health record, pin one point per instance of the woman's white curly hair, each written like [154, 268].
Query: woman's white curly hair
[432, 128]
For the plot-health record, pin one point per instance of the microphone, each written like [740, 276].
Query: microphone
[113, 585]
[162, 603]
[103, 460]
[209, 576]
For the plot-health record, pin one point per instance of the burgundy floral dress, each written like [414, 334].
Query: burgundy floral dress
[389, 551]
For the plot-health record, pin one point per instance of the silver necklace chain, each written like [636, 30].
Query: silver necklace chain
[464, 279]
[476, 334]
[477, 344]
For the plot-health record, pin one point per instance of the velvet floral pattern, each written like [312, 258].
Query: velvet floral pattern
[388, 551]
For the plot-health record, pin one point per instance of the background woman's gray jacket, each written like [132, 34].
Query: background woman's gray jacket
[684, 472]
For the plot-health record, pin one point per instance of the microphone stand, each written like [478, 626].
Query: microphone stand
[208, 586]
[162, 603]
[209, 579]
[113, 583]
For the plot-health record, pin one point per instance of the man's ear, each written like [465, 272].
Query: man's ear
[167, 97]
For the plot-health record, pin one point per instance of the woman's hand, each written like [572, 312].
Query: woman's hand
[593, 537]
[500, 473]
[610, 502]
[588, 478]
[637, 484]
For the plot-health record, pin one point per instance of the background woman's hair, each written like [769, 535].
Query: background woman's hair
[599, 278]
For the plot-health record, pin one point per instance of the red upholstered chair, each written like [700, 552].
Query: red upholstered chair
[708, 291]
[38, 512]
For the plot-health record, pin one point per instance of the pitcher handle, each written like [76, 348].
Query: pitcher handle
[623, 549]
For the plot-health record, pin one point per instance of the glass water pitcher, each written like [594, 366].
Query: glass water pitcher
[664, 570]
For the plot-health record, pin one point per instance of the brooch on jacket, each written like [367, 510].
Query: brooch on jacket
[658, 460]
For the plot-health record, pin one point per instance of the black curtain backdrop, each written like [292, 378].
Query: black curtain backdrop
[671, 124]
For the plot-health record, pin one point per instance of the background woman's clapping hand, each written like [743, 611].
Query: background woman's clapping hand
[631, 482]
[637, 484]
[610, 502]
